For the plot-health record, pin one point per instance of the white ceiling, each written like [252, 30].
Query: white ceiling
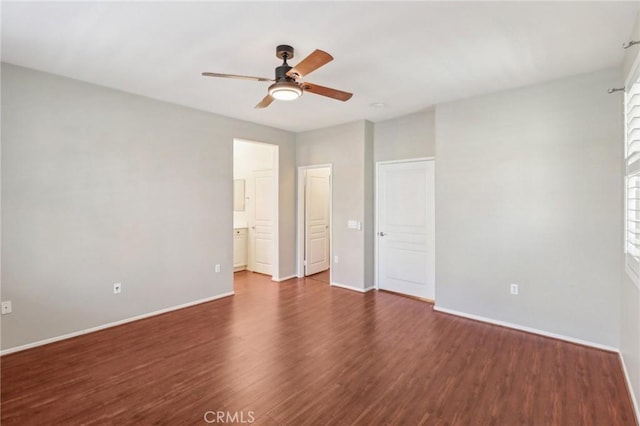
[408, 55]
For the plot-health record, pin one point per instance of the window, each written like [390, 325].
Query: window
[632, 175]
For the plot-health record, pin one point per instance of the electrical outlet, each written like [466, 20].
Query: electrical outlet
[6, 307]
[514, 289]
[335, 259]
[117, 288]
[217, 268]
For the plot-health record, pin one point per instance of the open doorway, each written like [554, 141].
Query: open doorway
[255, 207]
[314, 222]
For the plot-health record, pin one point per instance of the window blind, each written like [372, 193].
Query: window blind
[632, 178]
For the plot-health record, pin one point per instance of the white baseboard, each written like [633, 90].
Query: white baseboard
[112, 324]
[279, 280]
[348, 287]
[634, 400]
[527, 329]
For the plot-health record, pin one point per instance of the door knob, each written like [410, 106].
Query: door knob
[382, 234]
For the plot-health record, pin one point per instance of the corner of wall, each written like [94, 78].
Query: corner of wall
[369, 189]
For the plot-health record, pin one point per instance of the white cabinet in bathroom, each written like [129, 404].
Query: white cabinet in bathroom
[239, 249]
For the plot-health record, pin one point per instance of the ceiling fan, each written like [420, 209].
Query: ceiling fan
[287, 85]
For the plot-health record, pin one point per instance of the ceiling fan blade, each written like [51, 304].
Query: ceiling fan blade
[315, 60]
[265, 102]
[241, 77]
[327, 91]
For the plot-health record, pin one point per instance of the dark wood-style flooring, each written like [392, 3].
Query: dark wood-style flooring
[324, 276]
[304, 353]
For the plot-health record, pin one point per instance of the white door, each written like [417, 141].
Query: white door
[260, 218]
[405, 234]
[316, 243]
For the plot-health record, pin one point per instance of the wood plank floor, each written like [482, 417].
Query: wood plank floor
[324, 276]
[303, 353]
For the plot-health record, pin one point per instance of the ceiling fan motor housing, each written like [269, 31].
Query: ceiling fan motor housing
[281, 73]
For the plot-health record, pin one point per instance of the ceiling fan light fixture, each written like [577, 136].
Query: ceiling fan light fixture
[285, 91]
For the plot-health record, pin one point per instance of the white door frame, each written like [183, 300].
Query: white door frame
[376, 206]
[301, 211]
[275, 266]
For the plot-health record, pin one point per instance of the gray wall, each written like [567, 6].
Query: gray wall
[409, 136]
[528, 192]
[631, 54]
[346, 147]
[100, 186]
[630, 295]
